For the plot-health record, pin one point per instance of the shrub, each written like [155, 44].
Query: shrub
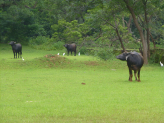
[157, 56]
[132, 45]
[105, 53]
[83, 50]
[45, 43]
[59, 45]
[39, 40]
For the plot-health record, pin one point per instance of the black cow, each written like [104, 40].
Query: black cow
[134, 61]
[17, 48]
[71, 47]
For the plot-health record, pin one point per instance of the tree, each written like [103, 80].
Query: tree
[98, 22]
[17, 23]
[145, 7]
[108, 19]
[129, 6]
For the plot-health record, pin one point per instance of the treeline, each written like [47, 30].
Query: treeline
[48, 24]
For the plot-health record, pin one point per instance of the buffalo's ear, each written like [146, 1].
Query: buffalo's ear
[15, 42]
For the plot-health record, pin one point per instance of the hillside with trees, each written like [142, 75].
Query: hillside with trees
[96, 24]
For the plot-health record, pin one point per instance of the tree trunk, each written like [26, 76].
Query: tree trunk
[144, 43]
[152, 40]
[123, 21]
[148, 44]
[128, 24]
[147, 27]
[119, 37]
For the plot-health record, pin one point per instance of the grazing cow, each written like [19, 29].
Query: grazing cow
[17, 48]
[134, 61]
[71, 47]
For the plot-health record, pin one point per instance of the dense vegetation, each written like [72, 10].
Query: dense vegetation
[48, 24]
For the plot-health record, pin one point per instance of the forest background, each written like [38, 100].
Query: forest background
[94, 25]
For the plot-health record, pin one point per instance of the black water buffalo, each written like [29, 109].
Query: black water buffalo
[134, 61]
[17, 48]
[71, 47]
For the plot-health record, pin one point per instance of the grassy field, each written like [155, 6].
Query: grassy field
[46, 89]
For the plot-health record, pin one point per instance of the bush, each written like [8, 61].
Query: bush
[39, 40]
[83, 50]
[132, 45]
[157, 56]
[45, 43]
[105, 53]
[58, 45]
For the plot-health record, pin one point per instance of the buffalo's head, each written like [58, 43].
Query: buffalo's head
[123, 56]
[12, 43]
[66, 45]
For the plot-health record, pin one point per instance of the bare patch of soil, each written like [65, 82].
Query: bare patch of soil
[56, 60]
[91, 63]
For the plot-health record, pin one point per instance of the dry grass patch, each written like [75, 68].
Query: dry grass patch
[91, 63]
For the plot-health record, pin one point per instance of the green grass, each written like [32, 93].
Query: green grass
[48, 90]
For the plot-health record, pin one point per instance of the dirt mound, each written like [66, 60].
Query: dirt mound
[51, 60]
[91, 63]
[51, 56]
[54, 60]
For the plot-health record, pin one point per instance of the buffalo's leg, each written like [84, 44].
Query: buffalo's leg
[71, 53]
[68, 52]
[130, 74]
[18, 54]
[135, 71]
[14, 55]
[139, 76]
[75, 53]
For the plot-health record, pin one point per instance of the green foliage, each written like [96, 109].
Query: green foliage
[132, 44]
[82, 22]
[19, 24]
[83, 50]
[45, 43]
[104, 53]
[161, 42]
[69, 31]
[157, 56]
[38, 40]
